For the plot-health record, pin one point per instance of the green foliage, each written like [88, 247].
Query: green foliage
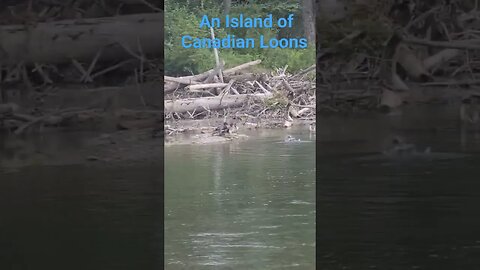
[178, 59]
[295, 59]
[183, 17]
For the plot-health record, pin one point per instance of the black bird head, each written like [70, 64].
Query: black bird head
[396, 141]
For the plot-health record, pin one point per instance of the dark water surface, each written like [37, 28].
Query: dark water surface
[241, 205]
[387, 214]
[81, 217]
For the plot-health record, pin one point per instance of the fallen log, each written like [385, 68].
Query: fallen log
[172, 86]
[209, 103]
[206, 85]
[464, 44]
[180, 80]
[440, 57]
[452, 83]
[56, 42]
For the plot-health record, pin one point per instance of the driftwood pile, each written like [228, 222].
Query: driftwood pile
[235, 92]
[47, 47]
[435, 46]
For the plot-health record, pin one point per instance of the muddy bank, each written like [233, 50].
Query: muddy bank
[120, 148]
[203, 131]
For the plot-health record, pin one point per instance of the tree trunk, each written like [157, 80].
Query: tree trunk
[226, 6]
[62, 41]
[308, 18]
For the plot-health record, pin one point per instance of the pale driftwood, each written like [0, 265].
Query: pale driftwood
[206, 85]
[263, 88]
[410, 63]
[180, 80]
[440, 57]
[60, 41]
[230, 71]
[172, 86]
[209, 103]
[304, 106]
[303, 111]
[227, 88]
[169, 87]
[305, 71]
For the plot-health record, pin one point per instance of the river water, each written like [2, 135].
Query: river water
[242, 205]
[398, 214]
[251, 204]
[77, 216]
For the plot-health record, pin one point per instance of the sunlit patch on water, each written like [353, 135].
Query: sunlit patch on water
[300, 202]
[269, 227]
[222, 235]
[246, 246]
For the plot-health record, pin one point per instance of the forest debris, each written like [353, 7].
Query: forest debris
[8, 108]
[233, 70]
[440, 57]
[411, 64]
[206, 85]
[391, 99]
[253, 92]
[60, 41]
[349, 38]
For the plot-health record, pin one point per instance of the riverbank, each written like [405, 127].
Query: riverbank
[395, 54]
[202, 131]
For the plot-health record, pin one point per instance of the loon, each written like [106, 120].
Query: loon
[290, 138]
[222, 130]
[233, 128]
